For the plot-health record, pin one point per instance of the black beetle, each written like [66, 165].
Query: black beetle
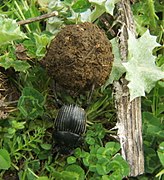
[70, 125]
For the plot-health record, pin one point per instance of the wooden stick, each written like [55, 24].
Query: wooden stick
[129, 122]
[38, 18]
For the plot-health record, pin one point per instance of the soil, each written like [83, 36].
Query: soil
[79, 56]
[8, 94]
[7, 87]
[10, 175]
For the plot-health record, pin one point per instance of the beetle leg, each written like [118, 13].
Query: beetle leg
[58, 102]
[90, 94]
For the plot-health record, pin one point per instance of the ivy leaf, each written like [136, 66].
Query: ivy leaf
[98, 2]
[109, 6]
[41, 42]
[6, 61]
[102, 6]
[9, 30]
[99, 9]
[118, 69]
[18, 65]
[142, 73]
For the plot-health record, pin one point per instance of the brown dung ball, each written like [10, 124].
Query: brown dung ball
[79, 56]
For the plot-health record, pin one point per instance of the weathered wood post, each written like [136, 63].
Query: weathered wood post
[129, 122]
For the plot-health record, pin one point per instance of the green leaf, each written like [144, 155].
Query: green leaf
[5, 161]
[86, 156]
[90, 140]
[46, 146]
[43, 178]
[119, 167]
[113, 147]
[18, 65]
[118, 69]
[159, 175]
[68, 1]
[11, 131]
[35, 77]
[161, 153]
[78, 153]
[91, 161]
[105, 177]
[29, 91]
[67, 175]
[142, 73]
[72, 172]
[41, 43]
[101, 6]
[78, 170]
[6, 61]
[152, 125]
[110, 5]
[17, 125]
[102, 169]
[94, 109]
[152, 162]
[103, 158]
[43, 3]
[98, 2]
[103, 155]
[98, 10]
[145, 16]
[31, 103]
[9, 30]
[71, 160]
[80, 6]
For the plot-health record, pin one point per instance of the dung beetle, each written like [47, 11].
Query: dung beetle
[70, 125]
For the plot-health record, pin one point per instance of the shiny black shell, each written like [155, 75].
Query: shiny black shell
[70, 125]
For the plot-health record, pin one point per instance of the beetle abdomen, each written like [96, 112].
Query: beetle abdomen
[67, 138]
[70, 124]
[71, 118]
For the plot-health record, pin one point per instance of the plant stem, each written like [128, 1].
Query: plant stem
[155, 101]
[32, 173]
[152, 14]
[22, 15]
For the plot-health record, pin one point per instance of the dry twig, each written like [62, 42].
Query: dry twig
[38, 18]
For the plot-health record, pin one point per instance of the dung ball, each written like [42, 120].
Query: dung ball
[79, 56]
